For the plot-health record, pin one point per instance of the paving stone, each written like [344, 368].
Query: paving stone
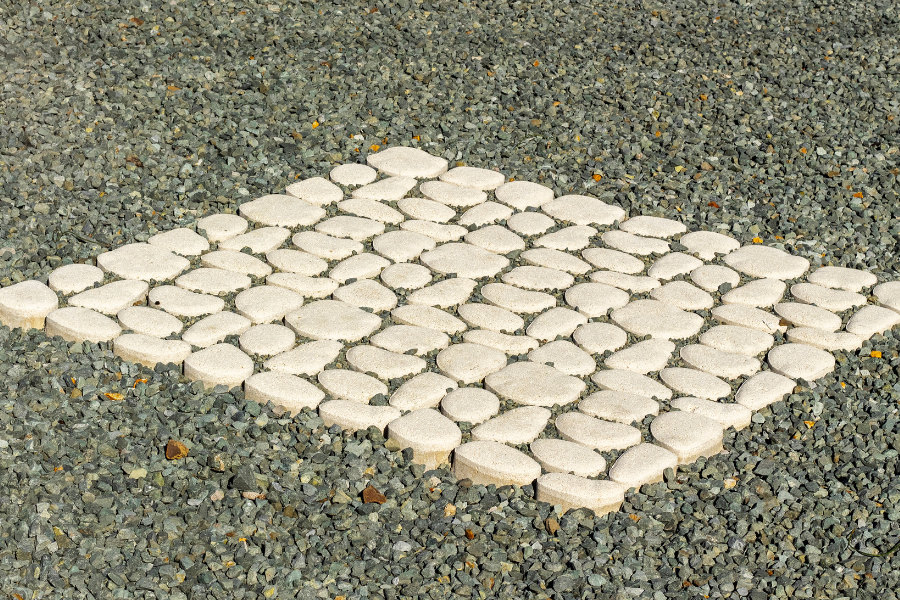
[529, 223]
[572, 492]
[512, 345]
[517, 426]
[598, 338]
[407, 162]
[409, 338]
[402, 246]
[149, 321]
[496, 239]
[237, 262]
[800, 361]
[353, 174]
[371, 209]
[470, 404]
[826, 340]
[446, 293]
[220, 364]
[343, 384]
[561, 456]
[427, 316]
[555, 259]
[673, 264]
[719, 363]
[564, 356]
[554, 323]
[763, 389]
[267, 339]
[634, 244]
[613, 260]
[484, 214]
[766, 262]
[629, 381]
[366, 294]
[452, 195]
[142, 261]
[695, 383]
[426, 210]
[425, 390]
[596, 434]
[739, 340]
[217, 282]
[643, 357]
[726, 414]
[222, 226]
[359, 266]
[355, 228]
[326, 246]
[308, 287]
[280, 210]
[471, 177]
[353, 416]
[683, 295]
[109, 299]
[296, 261]
[534, 384]
[870, 320]
[215, 328]
[439, 232]
[470, 363]
[283, 389]
[517, 300]
[687, 435]
[583, 210]
[150, 351]
[710, 277]
[332, 320]
[619, 407]
[490, 317]
[747, 316]
[523, 194]
[76, 324]
[260, 241]
[638, 284]
[74, 278]
[575, 237]
[306, 359]
[464, 260]
[842, 278]
[642, 464]
[706, 244]
[183, 303]
[183, 241]
[538, 278]
[888, 295]
[760, 293]
[596, 299]
[317, 191]
[384, 363]
[655, 227]
[267, 303]
[806, 315]
[486, 463]
[829, 299]
[392, 188]
[655, 318]
[431, 435]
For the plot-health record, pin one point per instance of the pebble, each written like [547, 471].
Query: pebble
[220, 364]
[470, 404]
[213, 281]
[760, 293]
[267, 340]
[183, 303]
[439, 232]
[366, 294]
[738, 340]
[308, 287]
[766, 262]
[826, 340]
[534, 384]
[716, 362]
[427, 316]
[634, 244]
[706, 244]
[142, 261]
[392, 188]
[643, 357]
[344, 384]
[307, 359]
[613, 260]
[471, 177]
[555, 259]
[353, 174]
[555, 322]
[683, 295]
[280, 210]
[484, 214]
[149, 321]
[464, 260]
[384, 363]
[182, 240]
[629, 381]
[283, 389]
[596, 434]
[485, 463]
[806, 315]
[634, 283]
[564, 356]
[571, 492]
[575, 237]
[687, 435]
[529, 223]
[870, 320]
[260, 241]
[237, 262]
[76, 324]
[517, 426]
[512, 345]
[596, 299]
[357, 229]
[829, 299]
[150, 351]
[695, 383]
[490, 317]
[642, 464]
[402, 246]
[296, 261]
[267, 303]
[538, 278]
[109, 299]
[747, 316]
[522, 195]
[561, 456]
[842, 278]
[404, 161]
[221, 227]
[452, 195]
[215, 328]
[800, 361]
[71, 279]
[496, 239]
[711, 277]
[426, 210]
[672, 265]
[657, 319]
[597, 338]
[726, 414]
[446, 293]
[656, 227]
[619, 407]
[332, 320]
[404, 339]
[431, 435]
[326, 246]
[425, 390]
[353, 416]
[583, 210]
[763, 389]
[470, 363]
[317, 191]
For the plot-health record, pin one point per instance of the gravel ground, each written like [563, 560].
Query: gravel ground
[767, 119]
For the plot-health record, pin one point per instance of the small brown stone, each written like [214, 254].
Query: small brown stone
[450, 510]
[371, 495]
[290, 511]
[552, 525]
[706, 166]
[176, 450]
[253, 496]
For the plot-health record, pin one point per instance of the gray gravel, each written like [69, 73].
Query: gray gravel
[684, 109]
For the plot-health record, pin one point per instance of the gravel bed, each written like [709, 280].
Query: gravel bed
[765, 120]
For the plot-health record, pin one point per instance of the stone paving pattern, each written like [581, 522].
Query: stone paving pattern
[482, 301]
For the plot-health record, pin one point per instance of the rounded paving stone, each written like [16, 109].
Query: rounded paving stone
[306, 359]
[633, 283]
[487, 316]
[534, 384]
[406, 276]
[583, 210]
[439, 232]
[673, 264]
[344, 384]
[596, 299]
[718, 363]
[384, 363]
[353, 174]
[598, 338]
[739, 340]
[826, 340]
[529, 223]
[656, 227]
[555, 322]
[371, 209]
[695, 383]
[267, 340]
[763, 389]
[538, 278]
[760, 293]
[267, 303]
[446, 293]
[486, 463]
[517, 300]
[829, 299]
[517, 426]
[629, 381]
[643, 357]
[213, 281]
[687, 435]
[470, 363]
[149, 321]
[366, 294]
[218, 228]
[496, 239]
[325, 246]
[150, 351]
[561, 456]
[355, 228]
[470, 404]
[555, 259]
[523, 194]
[657, 319]
[183, 241]
[238, 262]
[427, 316]
[747, 316]
[260, 241]
[683, 295]
[806, 315]
[870, 320]
[425, 390]
[407, 162]
[726, 414]
[75, 324]
[613, 260]
[71, 279]
[799, 361]
[642, 464]
[766, 262]
[431, 435]
[619, 407]
[575, 237]
[392, 188]
[332, 320]
[634, 244]
[425, 210]
[564, 356]
[353, 416]
[215, 328]
[572, 492]
[220, 364]
[464, 260]
[710, 277]
[842, 278]
[109, 299]
[452, 195]
[471, 177]
[296, 261]
[317, 191]
[404, 339]
[512, 345]
[485, 214]
[402, 246]
[888, 295]
[308, 287]
[706, 244]
[283, 389]
[596, 434]
[183, 303]
[142, 261]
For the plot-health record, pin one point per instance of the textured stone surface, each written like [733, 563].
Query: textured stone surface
[687, 435]
[332, 320]
[470, 404]
[571, 491]
[488, 463]
[597, 434]
[283, 389]
[183, 303]
[76, 324]
[71, 279]
[764, 261]
[26, 305]
[534, 384]
[619, 407]
[150, 351]
[657, 319]
[220, 364]
[407, 162]
[517, 426]
[641, 464]
[431, 435]
[561, 456]
[142, 261]
[799, 361]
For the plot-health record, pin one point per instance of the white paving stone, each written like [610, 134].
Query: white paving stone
[710, 277]
[613, 260]
[554, 323]
[464, 260]
[470, 404]
[407, 162]
[366, 294]
[426, 210]
[575, 237]
[888, 295]
[538, 278]
[222, 226]
[806, 315]
[297, 261]
[183, 303]
[598, 338]
[827, 298]
[371, 209]
[739, 340]
[439, 232]
[485, 463]
[747, 316]
[657, 319]
[571, 492]
[534, 384]
[470, 363]
[384, 363]
[765, 261]
[496, 239]
[280, 210]
[800, 361]
[308, 287]
[619, 407]
[716, 362]
[446, 293]
[490, 317]
[359, 266]
[643, 357]
[826, 340]
[427, 316]
[260, 241]
[683, 295]
[230, 260]
[842, 278]
[355, 228]
[512, 345]
[642, 464]
[763, 389]
[555, 259]
[353, 174]
[142, 261]
[332, 320]
[561, 456]
[425, 390]
[529, 223]
[583, 210]
[220, 364]
[183, 241]
[596, 299]
[408, 338]
[596, 434]
[402, 246]
[452, 195]
[472, 177]
[149, 321]
[215, 328]
[695, 383]
[517, 426]
[726, 414]
[217, 282]
[267, 339]
[629, 381]
[870, 320]
[76, 324]
[352, 416]
[109, 299]
[317, 191]
[655, 227]
[687, 435]
[673, 264]
[485, 214]
[431, 435]
[150, 351]
[564, 356]
[267, 303]
[638, 284]
[706, 244]
[517, 300]
[74, 278]
[326, 246]
[343, 384]
[634, 244]
[306, 359]
[392, 188]
[283, 389]
[523, 194]
[760, 293]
